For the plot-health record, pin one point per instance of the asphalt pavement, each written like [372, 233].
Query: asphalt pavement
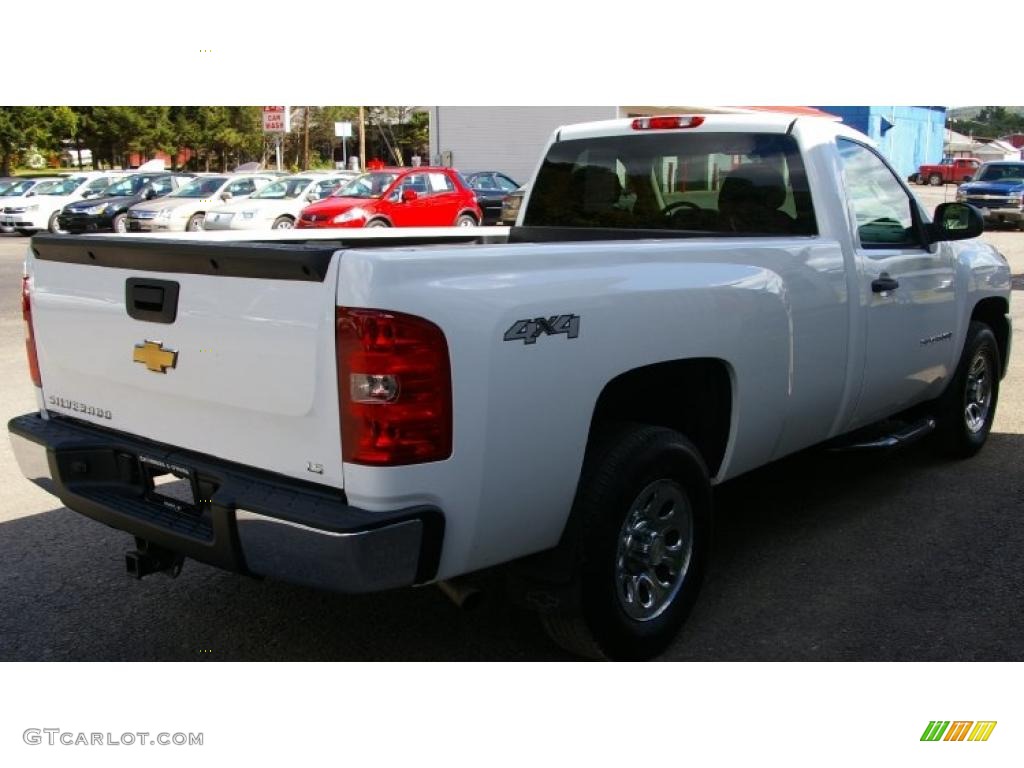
[820, 557]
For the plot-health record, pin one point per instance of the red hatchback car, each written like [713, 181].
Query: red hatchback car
[397, 197]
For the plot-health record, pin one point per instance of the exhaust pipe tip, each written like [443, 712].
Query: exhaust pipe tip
[464, 595]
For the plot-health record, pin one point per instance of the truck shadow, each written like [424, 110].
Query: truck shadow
[821, 556]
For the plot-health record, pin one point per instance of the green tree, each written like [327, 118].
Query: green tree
[22, 128]
[990, 123]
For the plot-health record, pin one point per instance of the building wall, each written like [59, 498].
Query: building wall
[507, 139]
[916, 137]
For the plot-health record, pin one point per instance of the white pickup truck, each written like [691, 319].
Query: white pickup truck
[685, 298]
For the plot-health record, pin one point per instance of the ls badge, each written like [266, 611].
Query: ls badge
[153, 355]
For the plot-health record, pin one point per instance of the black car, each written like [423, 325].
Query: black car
[109, 212]
[491, 188]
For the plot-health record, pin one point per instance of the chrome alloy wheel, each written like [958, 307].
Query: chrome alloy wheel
[978, 393]
[654, 550]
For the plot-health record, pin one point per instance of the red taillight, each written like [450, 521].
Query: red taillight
[662, 122]
[30, 336]
[394, 388]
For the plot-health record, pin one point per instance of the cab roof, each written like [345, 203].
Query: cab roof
[767, 122]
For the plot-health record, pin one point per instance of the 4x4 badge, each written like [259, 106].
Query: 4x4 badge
[527, 331]
[153, 355]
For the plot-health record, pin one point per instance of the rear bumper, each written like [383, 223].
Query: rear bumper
[253, 521]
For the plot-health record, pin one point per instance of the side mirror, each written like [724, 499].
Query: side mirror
[408, 195]
[956, 221]
[151, 193]
[225, 196]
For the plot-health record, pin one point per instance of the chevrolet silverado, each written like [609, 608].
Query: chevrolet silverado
[683, 299]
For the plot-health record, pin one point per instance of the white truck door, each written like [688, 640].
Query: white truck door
[907, 289]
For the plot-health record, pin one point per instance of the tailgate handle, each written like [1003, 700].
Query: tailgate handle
[153, 301]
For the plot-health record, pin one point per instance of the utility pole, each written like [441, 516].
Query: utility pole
[305, 138]
[362, 139]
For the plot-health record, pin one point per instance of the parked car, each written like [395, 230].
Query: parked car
[998, 192]
[491, 188]
[397, 197]
[510, 207]
[952, 170]
[18, 187]
[41, 208]
[18, 191]
[367, 418]
[279, 204]
[185, 208]
[109, 212]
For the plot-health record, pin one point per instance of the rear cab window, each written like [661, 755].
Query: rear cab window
[744, 184]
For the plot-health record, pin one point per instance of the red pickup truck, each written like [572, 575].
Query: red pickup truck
[952, 170]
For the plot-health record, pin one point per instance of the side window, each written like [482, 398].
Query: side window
[504, 184]
[98, 184]
[324, 188]
[484, 181]
[242, 187]
[162, 185]
[416, 182]
[440, 183]
[882, 208]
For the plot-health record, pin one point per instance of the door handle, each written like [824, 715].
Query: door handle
[154, 301]
[884, 283]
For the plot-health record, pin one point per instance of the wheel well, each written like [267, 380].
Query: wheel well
[378, 218]
[468, 212]
[992, 312]
[693, 397]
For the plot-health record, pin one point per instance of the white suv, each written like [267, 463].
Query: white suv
[39, 207]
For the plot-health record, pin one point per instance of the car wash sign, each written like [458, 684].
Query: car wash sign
[276, 119]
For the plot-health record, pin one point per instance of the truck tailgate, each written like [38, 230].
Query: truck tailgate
[239, 364]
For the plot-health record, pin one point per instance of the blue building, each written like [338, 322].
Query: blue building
[909, 137]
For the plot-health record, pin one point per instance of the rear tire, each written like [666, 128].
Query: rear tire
[935, 180]
[640, 535]
[967, 408]
[53, 225]
[465, 220]
[195, 222]
[120, 223]
[283, 222]
[377, 223]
